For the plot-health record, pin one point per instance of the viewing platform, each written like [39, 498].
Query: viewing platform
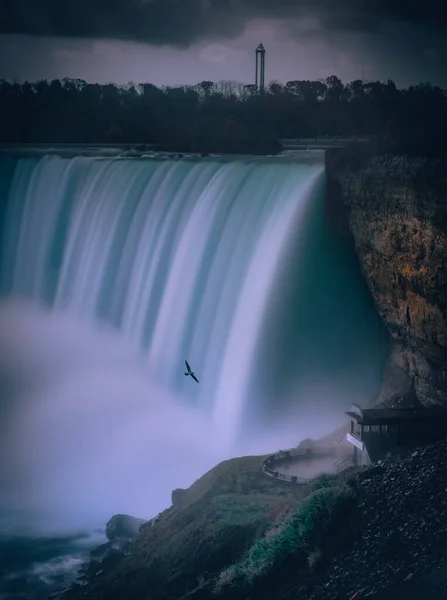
[302, 465]
[374, 434]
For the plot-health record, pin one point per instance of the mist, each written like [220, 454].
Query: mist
[85, 433]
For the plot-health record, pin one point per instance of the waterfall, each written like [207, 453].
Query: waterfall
[113, 271]
[179, 255]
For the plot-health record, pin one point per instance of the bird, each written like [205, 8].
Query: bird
[190, 372]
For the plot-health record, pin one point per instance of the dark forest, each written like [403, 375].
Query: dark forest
[224, 116]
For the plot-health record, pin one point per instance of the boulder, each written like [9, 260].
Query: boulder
[177, 496]
[123, 526]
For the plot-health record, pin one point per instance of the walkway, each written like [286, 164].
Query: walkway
[301, 465]
[308, 468]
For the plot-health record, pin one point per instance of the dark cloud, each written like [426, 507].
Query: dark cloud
[182, 22]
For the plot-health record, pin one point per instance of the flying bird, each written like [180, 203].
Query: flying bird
[190, 372]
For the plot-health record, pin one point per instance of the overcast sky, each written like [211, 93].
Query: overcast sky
[187, 41]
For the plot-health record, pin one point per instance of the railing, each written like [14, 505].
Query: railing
[268, 464]
[284, 477]
[312, 452]
[342, 463]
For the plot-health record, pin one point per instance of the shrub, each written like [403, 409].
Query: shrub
[307, 533]
[320, 512]
[231, 577]
[270, 550]
[323, 481]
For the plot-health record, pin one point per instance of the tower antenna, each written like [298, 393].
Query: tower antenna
[260, 68]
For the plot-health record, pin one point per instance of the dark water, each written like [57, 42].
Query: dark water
[32, 566]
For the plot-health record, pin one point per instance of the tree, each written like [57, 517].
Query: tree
[227, 116]
[206, 87]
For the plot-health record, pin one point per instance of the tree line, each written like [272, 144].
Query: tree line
[225, 116]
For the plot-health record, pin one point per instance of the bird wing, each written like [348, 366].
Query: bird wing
[187, 366]
[194, 377]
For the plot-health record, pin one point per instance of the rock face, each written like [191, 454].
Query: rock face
[396, 210]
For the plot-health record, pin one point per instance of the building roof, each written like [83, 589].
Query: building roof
[377, 416]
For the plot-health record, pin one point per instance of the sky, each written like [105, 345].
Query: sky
[176, 42]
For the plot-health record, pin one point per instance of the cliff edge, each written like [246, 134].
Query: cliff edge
[395, 208]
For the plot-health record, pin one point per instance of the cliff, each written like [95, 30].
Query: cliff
[395, 208]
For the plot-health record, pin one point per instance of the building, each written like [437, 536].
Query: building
[260, 69]
[376, 431]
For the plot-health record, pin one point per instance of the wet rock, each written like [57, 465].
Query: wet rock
[374, 471]
[101, 550]
[112, 558]
[89, 570]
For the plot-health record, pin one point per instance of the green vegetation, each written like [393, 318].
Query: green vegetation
[233, 515]
[303, 537]
[214, 523]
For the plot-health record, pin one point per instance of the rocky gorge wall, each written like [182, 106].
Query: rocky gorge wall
[395, 209]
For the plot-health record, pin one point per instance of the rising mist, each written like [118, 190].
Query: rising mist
[85, 434]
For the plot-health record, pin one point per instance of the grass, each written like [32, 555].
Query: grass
[302, 538]
[214, 524]
[233, 525]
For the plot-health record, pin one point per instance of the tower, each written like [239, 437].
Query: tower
[260, 68]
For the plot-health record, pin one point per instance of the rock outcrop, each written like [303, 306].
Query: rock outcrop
[121, 531]
[396, 210]
[123, 527]
[177, 495]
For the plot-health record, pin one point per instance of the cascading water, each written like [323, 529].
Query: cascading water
[183, 258]
[179, 256]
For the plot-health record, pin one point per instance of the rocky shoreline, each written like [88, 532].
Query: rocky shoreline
[121, 531]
